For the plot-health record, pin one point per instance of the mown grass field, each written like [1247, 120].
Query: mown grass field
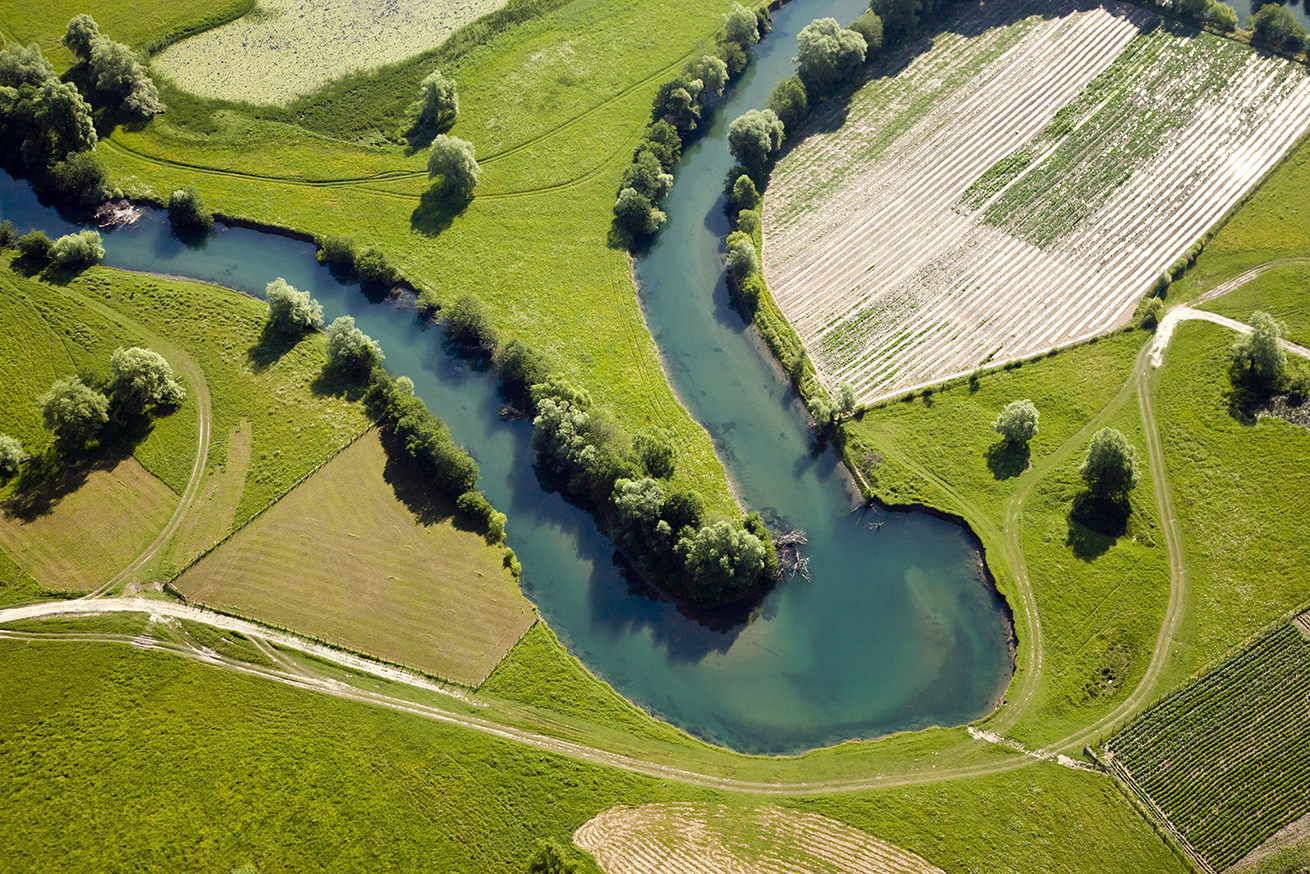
[289, 429]
[218, 769]
[554, 108]
[345, 559]
[1225, 759]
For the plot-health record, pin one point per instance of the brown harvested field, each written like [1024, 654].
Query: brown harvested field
[210, 518]
[88, 534]
[703, 839]
[1017, 186]
[342, 559]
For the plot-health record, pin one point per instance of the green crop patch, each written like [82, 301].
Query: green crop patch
[1225, 761]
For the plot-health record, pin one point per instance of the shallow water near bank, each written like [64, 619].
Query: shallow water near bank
[898, 627]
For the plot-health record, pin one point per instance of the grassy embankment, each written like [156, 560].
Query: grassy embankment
[270, 428]
[365, 789]
[554, 108]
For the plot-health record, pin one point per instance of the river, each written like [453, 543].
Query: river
[896, 629]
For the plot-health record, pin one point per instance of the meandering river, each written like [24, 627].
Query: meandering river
[897, 627]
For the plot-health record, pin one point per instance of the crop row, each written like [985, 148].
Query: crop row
[1095, 167]
[1227, 758]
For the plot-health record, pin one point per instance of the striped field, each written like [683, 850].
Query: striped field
[1015, 188]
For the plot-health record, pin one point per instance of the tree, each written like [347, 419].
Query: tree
[1259, 350]
[373, 266]
[75, 412]
[81, 35]
[66, 118]
[741, 26]
[350, 350]
[1017, 423]
[114, 68]
[1110, 467]
[754, 140]
[468, 324]
[142, 378]
[900, 18]
[655, 450]
[1223, 15]
[1275, 26]
[741, 257]
[79, 250]
[8, 236]
[826, 54]
[662, 141]
[452, 159]
[869, 26]
[677, 104]
[1193, 9]
[520, 365]
[11, 455]
[713, 75]
[338, 250]
[636, 214]
[437, 99]
[187, 209]
[21, 65]
[291, 311]
[744, 193]
[35, 245]
[790, 103]
[724, 561]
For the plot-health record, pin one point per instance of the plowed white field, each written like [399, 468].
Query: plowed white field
[954, 218]
[702, 839]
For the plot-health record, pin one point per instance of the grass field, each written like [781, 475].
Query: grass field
[554, 108]
[138, 25]
[1226, 759]
[345, 559]
[1100, 596]
[291, 47]
[1237, 489]
[218, 769]
[1281, 291]
[981, 205]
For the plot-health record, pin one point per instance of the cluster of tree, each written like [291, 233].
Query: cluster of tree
[141, 381]
[113, 67]
[72, 251]
[451, 160]
[46, 130]
[340, 253]
[676, 115]
[1274, 25]
[187, 210]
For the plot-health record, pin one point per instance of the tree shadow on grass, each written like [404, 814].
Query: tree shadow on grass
[428, 504]
[1096, 523]
[49, 478]
[1007, 460]
[421, 134]
[272, 345]
[334, 382]
[436, 212]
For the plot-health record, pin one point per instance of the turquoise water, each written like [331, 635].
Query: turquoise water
[897, 629]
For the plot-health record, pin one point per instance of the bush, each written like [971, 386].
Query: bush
[1223, 15]
[80, 249]
[744, 194]
[424, 438]
[79, 175]
[11, 455]
[662, 141]
[655, 451]
[468, 325]
[337, 250]
[723, 561]
[1151, 312]
[479, 510]
[741, 256]
[350, 351]
[869, 26]
[35, 245]
[187, 209]
[520, 366]
[1275, 26]
[755, 525]
[749, 223]
[291, 311]
[373, 267]
[8, 236]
